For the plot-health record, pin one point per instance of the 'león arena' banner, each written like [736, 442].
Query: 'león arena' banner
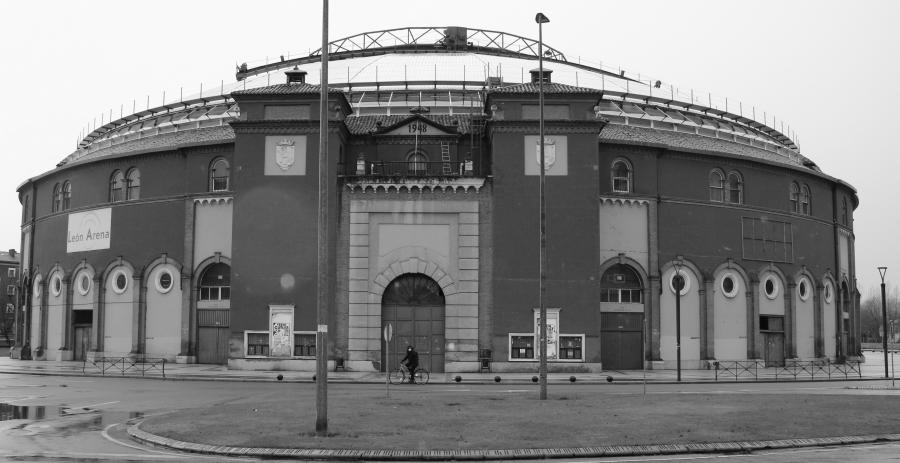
[89, 230]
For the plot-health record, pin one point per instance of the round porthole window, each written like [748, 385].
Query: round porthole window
[120, 282]
[680, 279]
[56, 285]
[729, 285]
[829, 293]
[164, 281]
[771, 287]
[803, 289]
[84, 284]
[36, 288]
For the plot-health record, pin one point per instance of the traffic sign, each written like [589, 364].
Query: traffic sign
[388, 332]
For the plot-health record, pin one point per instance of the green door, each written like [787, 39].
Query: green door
[621, 340]
[414, 305]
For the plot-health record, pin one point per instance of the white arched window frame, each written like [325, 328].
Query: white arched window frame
[133, 184]
[116, 186]
[56, 200]
[805, 202]
[67, 195]
[795, 197]
[716, 186]
[734, 193]
[621, 173]
[219, 175]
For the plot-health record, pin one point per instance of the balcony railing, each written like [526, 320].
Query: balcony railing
[413, 169]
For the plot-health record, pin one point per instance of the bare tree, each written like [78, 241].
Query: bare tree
[870, 314]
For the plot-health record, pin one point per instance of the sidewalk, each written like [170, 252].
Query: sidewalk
[206, 372]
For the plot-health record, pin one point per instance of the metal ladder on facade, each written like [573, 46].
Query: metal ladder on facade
[447, 167]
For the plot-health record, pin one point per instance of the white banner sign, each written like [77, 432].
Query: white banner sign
[89, 230]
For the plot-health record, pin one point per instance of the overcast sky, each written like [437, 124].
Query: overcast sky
[829, 69]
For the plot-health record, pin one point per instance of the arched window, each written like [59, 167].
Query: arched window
[417, 163]
[735, 191]
[845, 215]
[56, 200]
[215, 284]
[219, 175]
[795, 197]
[621, 284]
[805, 208]
[116, 187]
[133, 184]
[67, 196]
[716, 186]
[621, 176]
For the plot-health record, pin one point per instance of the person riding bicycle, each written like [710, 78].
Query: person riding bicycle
[412, 362]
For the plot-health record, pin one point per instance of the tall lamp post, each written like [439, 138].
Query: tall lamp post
[540, 19]
[678, 284]
[322, 280]
[884, 321]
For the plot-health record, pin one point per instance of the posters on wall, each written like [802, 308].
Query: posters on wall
[552, 331]
[281, 330]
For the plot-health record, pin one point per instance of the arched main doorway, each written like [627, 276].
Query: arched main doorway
[621, 319]
[213, 314]
[414, 305]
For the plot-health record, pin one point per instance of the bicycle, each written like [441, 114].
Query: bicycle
[401, 375]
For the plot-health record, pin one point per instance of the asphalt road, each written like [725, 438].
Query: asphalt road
[84, 418]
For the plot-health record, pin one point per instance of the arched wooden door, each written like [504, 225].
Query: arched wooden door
[414, 305]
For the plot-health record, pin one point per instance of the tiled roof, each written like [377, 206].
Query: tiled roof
[285, 89]
[170, 140]
[551, 87]
[621, 133]
[360, 125]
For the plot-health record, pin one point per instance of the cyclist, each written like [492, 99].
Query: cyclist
[412, 362]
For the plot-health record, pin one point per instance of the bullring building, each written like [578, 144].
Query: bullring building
[187, 231]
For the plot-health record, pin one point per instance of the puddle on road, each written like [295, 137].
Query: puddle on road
[62, 420]
[22, 412]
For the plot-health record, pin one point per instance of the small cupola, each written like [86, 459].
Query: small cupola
[536, 76]
[295, 76]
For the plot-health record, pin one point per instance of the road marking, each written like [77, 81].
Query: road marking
[94, 405]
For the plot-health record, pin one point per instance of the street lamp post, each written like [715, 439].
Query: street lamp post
[322, 242]
[884, 343]
[540, 19]
[678, 284]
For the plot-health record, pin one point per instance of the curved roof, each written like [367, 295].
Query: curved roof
[450, 70]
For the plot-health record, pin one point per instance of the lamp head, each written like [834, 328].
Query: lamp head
[541, 19]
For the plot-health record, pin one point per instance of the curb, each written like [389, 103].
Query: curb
[503, 454]
[449, 381]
